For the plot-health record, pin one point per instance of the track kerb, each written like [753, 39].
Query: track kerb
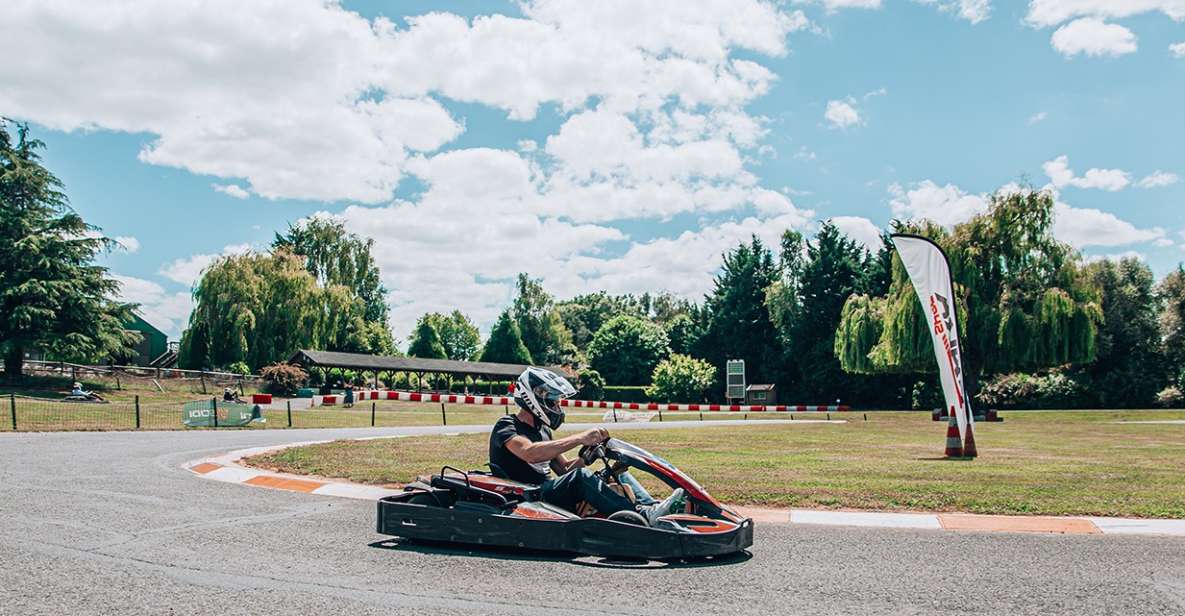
[969, 450]
[954, 443]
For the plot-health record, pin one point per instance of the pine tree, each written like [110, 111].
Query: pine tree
[426, 342]
[738, 323]
[506, 343]
[52, 296]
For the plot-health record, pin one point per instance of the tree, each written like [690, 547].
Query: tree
[583, 315]
[1171, 292]
[425, 342]
[1128, 370]
[834, 268]
[626, 349]
[738, 324]
[259, 309]
[681, 378]
[506, 343]
[543, 331]
[337, 258]
[52, 295]
[1022, 297]
[683, 333]
[458, 334]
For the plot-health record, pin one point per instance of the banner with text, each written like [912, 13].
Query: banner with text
[929, 271]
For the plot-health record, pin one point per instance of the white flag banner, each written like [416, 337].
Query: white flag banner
[930, 272]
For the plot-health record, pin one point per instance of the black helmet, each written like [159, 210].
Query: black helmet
[539, 391]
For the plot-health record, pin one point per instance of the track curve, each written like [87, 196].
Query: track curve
[109, 523]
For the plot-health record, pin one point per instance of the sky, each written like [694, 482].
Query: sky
[613, 145]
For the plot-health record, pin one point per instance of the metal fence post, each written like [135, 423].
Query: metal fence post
[443, 416]
[214, 404]
[12, 406]
[372, 405]
[660, 414]
[614, 415]
[137, 412]
[289, 413]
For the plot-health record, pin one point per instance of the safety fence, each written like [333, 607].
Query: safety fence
[115, 377]
[29, 414]
[410, 396]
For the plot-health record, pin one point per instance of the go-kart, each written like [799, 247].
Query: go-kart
[485, 508]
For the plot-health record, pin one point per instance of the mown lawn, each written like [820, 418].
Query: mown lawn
[1065, 463]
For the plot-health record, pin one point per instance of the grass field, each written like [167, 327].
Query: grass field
[1064, 463]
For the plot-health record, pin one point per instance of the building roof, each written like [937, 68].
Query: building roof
[361, 361]
[760, 387]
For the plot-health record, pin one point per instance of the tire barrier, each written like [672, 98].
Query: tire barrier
[988, 415]
[409, 396]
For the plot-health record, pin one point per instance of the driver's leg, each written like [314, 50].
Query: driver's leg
[582, 485]
[640, 494]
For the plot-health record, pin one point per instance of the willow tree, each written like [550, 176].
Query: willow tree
[256, 308]
[1024, 300]
[337, 258]
[53, 297]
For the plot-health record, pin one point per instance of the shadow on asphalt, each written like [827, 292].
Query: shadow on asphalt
[420, 546]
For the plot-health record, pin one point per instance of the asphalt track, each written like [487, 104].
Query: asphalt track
[108, 523]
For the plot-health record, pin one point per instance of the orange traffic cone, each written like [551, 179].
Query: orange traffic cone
[954, 444]
[969, 450]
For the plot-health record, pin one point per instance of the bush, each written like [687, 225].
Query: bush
[681, 378]
[283, 379]
[592, 385]
[927, 394]
[240, 368]
[626, 349]
[1056, 390]
[1171, 398]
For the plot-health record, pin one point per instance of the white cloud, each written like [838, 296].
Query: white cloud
[946, 205]
[167, 311]
[1045, 13]
[272, 93]
[1093, 37]
[835, 5]
[1164, 242]
[842, 113]
[1061, 175]
[861, 229]
[1159, 178]
[805, 153]
[519, 220]
[233, 190]
[1038, 117]
[1177, 49]
[973, 11]
[1117, 256]
[128, 243]
[1082, 227]
[188, 270]
[323, 104]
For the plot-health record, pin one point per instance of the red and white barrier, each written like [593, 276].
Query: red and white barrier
[410, 396]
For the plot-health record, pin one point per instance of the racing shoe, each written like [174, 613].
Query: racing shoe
[672, 504]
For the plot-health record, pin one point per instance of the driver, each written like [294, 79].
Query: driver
[522, 446]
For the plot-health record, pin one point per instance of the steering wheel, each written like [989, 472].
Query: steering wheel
[589, 454]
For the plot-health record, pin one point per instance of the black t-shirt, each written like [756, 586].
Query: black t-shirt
[507, 428]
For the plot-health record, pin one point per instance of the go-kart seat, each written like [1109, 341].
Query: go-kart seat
[468, 492]
[497, 471]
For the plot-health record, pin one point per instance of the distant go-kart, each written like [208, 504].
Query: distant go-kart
[487, 509]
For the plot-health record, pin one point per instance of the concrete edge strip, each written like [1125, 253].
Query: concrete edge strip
[225, 468]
